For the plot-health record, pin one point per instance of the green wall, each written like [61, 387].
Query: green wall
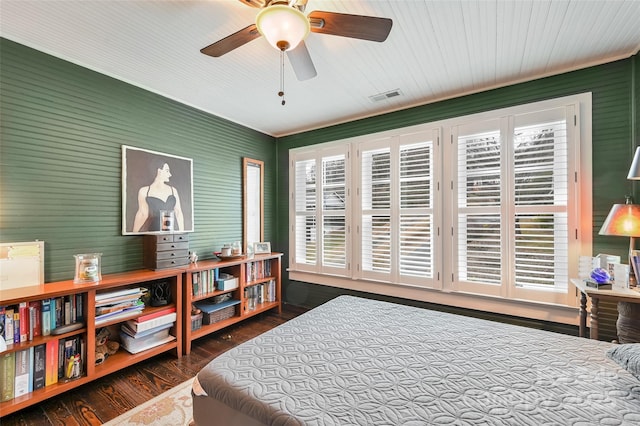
[62, 127]
[615, 134]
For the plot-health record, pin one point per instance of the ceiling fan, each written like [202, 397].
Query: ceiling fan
[285, 27]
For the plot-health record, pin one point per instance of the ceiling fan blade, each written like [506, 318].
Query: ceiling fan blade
[232, 41]
[301, 62]
[355, 26]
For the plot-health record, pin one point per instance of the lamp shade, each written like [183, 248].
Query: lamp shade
[634, 170]
[623, 220]
[283, 26]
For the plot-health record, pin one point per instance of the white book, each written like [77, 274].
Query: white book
[21, 383]
[155, 322]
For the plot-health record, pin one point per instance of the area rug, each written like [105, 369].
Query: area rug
[172, 408]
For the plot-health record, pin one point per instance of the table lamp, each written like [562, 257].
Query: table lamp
[624, 220]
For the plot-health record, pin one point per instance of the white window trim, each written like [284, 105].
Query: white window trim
[445, 290]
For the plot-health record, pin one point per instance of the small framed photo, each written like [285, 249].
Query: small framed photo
[261, 248]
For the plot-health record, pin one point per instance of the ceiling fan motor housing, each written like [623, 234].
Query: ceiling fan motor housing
[283, 26]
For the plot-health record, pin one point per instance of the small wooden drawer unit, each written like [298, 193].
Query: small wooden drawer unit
[166, 251]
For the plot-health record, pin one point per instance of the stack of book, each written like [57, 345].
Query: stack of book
[118, 304]
[148, 331]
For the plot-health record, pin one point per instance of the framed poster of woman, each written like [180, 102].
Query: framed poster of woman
[157, 192]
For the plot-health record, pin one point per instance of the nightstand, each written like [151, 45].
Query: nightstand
[628, 325]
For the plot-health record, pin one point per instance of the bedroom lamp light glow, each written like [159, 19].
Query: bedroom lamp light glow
[623, 220]
[283, 26]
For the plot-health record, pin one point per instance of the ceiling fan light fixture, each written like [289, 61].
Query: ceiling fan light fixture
[283, 26]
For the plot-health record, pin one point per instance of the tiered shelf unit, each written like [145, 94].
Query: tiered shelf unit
[239, 268]
[87, 292]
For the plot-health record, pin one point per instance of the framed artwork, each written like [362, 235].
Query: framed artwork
[252, 202]
[157, 192]
[261, 248]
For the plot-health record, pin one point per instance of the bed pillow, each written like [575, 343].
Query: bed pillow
[627, 356]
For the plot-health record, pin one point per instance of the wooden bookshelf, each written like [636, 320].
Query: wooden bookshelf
[195, 290]
[87, 334]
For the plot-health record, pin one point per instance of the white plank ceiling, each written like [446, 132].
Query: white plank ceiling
[436, 50]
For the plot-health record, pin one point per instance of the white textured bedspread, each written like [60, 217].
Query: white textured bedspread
[356, 361]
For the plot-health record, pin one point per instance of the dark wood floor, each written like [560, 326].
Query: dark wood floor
[106, 398]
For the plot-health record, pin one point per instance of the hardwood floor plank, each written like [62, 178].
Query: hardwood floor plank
[108, 397]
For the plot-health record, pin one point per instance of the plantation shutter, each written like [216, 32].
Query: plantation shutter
[376, 210]
[541, 231]
[479, 200]
[305, 212]
[333, 212]
[416, 214]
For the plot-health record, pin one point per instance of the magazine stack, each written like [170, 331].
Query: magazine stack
[119, 304]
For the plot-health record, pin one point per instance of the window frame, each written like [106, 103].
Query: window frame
[445, 282]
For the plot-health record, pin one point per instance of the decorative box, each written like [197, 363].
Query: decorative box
[225, 283]
[216, 312]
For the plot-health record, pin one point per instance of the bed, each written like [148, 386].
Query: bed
[355, 361]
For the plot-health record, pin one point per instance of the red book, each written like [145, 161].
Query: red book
[156, 314]
[37, 326]
[23, 309]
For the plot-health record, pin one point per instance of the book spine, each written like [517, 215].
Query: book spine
[8, 326]
[32, 322]
[2, 321]
[61, 359]
[31, 367]
[51, 366]
[16, 325]
[79, 308]
[24, 321]
[37, 320]
[21, 381]
[7, 375]
[46, 317]
[39, 362]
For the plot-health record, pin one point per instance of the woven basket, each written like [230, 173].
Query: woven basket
[219, 315]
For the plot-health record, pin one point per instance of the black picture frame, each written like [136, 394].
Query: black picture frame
[140, 170]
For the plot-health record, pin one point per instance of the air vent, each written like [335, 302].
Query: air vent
[386, 95]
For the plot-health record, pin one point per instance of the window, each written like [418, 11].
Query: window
[494, 211]
[320, 218]
[396, 201]
[512, 203]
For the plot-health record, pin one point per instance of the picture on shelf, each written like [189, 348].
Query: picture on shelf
[157, 192]
[261, 248]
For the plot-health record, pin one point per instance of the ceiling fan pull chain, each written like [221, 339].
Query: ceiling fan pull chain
[281, 92]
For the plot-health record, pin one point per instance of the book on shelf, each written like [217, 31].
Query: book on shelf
[51, 363]
[8, 325]
[16, 325]
[39, 360]
[7, 375]
[35, 317]
[135, 345]
[137, 327]
[156, 314]
[21, 380]
[137, 334]
[46, 317]
[23, 310]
